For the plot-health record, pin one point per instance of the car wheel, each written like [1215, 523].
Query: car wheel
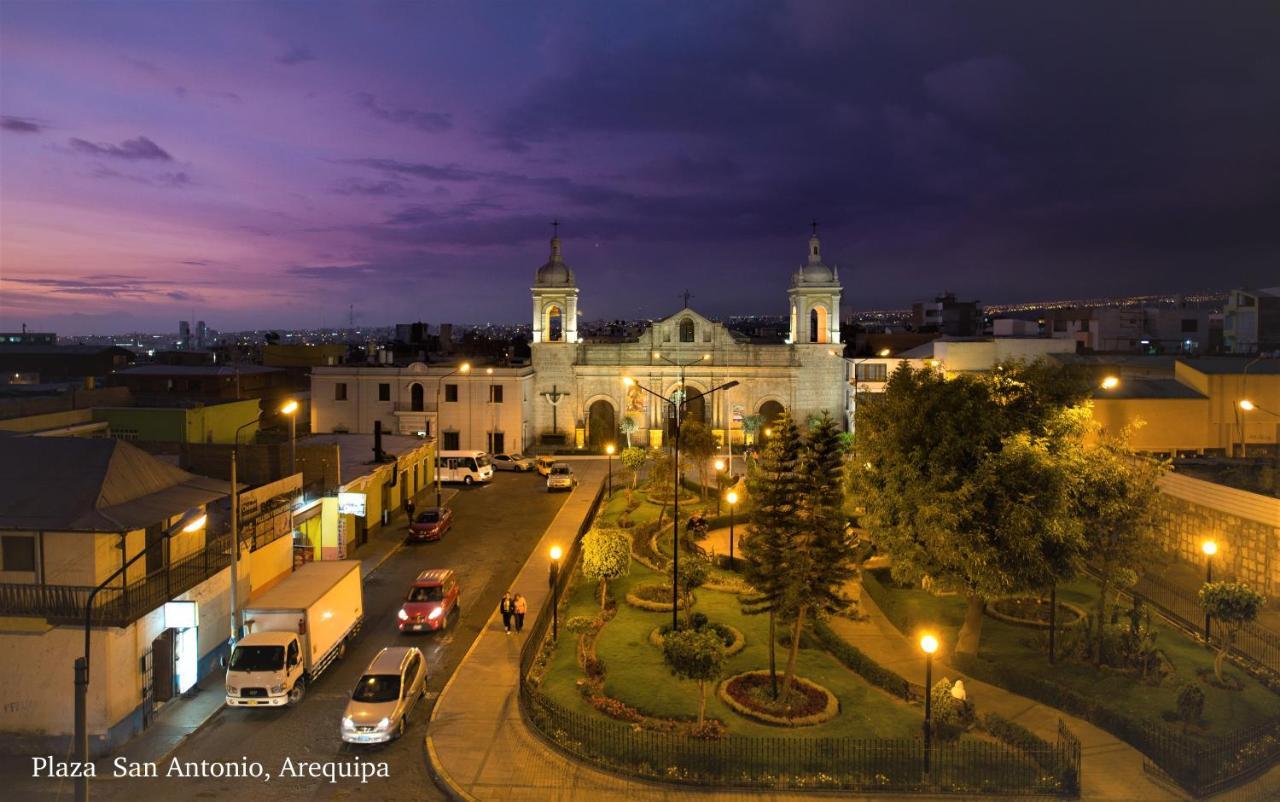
[466, 480]
[298, 691]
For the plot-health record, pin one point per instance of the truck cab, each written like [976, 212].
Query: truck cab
[265, 669]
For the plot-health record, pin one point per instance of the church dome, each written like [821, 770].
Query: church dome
[555, 273]
[815, 271]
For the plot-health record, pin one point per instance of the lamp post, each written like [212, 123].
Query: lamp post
[732, 498]
[290, 408]
[609, 449]
[553, 578]
[1210, 548]
[929, 645]
[719, 466]
[192, 521]
[677, 407]
[235, 532]
[464, 369]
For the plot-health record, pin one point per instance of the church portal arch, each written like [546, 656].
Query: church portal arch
[819, 323]
[770, 411]
[602, 424]
[553, 323]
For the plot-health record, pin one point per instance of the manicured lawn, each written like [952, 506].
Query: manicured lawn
[1016, 648]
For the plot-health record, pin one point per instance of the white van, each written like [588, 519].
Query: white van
[464, 466]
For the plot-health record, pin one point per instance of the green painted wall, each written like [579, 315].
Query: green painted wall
[209, 424]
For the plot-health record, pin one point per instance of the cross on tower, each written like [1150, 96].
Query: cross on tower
[686, 295]
[555, 227]
[814, 223]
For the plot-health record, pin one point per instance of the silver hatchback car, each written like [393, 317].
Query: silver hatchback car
[386, 694]
[561, 477]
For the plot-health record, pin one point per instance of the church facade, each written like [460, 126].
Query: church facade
[584, 390]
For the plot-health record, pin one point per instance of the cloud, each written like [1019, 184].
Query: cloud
[980, 89]
[381, 189]
[140, 148]
[172, 180]
[434, 172]
[296, 55]
[21, 125]
[111, 285]
[432, 121]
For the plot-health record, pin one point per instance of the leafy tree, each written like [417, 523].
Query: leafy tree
[1231, 605]
[774, 486]
[627, 427]
[697, 446]
[696, 655]
[606, 554]
[634, 459]
[819, 558]
[1115, 499]
[965, 480]
[695, 570]
[660, 473]
[751, 425]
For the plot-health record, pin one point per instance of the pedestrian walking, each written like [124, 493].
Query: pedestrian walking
[408, 509]
[521, 607]
[508, 608]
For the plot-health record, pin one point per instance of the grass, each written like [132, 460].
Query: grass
[1017, 649]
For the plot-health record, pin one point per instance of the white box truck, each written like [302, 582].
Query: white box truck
[293, 632]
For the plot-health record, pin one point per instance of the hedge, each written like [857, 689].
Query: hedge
[867, 668]
[1046, 755]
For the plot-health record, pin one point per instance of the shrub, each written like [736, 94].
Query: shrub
[580, 624]
[1044, 753]
[860, 664]
[1190, 704]
[951, 715]
[594, 667]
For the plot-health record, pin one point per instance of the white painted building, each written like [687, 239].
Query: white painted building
[485, 408]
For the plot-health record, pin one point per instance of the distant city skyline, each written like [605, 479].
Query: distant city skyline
[266, 165]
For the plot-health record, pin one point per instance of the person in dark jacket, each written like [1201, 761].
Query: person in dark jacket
[408, 509]
[508, 608]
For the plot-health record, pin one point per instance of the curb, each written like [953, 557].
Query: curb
[443, 780]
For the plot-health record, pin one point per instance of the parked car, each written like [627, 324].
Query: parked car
[512, 462]
[432, 598]
[543, 465]
[561, 477]
[386, 694]
[431, 523]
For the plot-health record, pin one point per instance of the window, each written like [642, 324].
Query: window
[17, 553]
[451, 441]
[451, 393]
[686, 331]
[497, 442]
[340, 391]
[384, 391]
[292, 658]
[1190, 325]
[871, 373]
[495, 393]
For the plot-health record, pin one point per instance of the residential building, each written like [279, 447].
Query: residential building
[42, 364]
[949, 316]
[198, 382]
[1251, 322]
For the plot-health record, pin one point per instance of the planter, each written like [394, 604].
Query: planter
[1028, 611]
[640, 602]
[736, 692]
[739, 640]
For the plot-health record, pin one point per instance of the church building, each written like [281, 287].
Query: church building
[584, 390]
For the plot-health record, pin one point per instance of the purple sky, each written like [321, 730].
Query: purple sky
[258, 164]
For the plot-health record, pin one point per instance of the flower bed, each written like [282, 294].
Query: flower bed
[652, 597]
[1026, 611]
[733, 639]
[748, 694]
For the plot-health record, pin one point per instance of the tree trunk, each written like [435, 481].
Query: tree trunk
[789, 677]
[702, 702]
[604, 592]
[1103, 588]
[971, 630]
[1217, 662]
[773, 661]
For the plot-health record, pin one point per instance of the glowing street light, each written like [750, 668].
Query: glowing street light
[883, 352]
[555, 592]
[1111, 382]
[732, 498]
[196, 524]
[608, 450]
[929, 645]
[719, 466]
[464, 369]
[290, 408]
[1210, 548]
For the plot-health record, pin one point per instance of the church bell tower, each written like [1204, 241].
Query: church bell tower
[555, 299]
[815, 300]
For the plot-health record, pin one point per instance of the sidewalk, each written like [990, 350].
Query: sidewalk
[181, 717]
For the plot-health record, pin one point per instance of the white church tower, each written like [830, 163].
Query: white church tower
[815, 300]
[555, 300]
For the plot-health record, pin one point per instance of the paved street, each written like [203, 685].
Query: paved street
[495, 527]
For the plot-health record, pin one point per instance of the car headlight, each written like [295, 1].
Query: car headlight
[232, 691]
[436, 613]
[382, 725]
[402, 615]
[347, 723]
[277, 689]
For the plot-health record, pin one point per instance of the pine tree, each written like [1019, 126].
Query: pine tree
[774, 489]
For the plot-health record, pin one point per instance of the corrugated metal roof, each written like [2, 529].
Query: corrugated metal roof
[97, 485]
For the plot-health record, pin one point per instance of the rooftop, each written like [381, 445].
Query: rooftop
[1225, 365]
[196, 370]
[355, 451]
[1142, 387]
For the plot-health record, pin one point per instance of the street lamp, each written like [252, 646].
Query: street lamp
[464, 369]
[290, 408]
[1110, 382]
[719, 466]
[732, 498]
[192, 521]
[609, 449]
[929, 645]
[677, 408]
[1210, 548]
[555, 592]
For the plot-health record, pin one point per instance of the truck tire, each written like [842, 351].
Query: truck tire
[342, 649]
[466, 480]
[298, 691]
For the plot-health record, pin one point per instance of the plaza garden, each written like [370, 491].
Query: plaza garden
[978, 500]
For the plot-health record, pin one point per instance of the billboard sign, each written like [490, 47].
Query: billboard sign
[351, 504]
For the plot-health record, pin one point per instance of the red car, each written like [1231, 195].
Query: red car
[431, 600]
[431, 523]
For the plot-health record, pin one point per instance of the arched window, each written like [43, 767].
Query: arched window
[686, 331]
[415, 397]
[554, 324]
[818, 324]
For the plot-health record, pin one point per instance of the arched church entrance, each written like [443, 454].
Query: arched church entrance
[770, 412]
[602, 425]
[695, 408]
